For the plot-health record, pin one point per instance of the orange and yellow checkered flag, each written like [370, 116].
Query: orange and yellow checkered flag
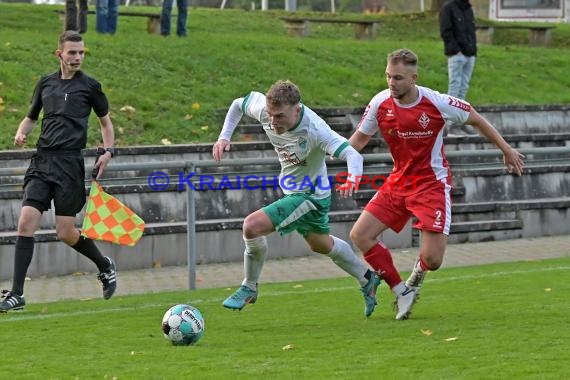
[106, 218]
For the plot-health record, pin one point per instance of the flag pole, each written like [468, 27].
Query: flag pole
[191, 233]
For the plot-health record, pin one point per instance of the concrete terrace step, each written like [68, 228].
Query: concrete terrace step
[561, 203]
[253, 134]
[167, 228]
[474, 186]
[486, 225]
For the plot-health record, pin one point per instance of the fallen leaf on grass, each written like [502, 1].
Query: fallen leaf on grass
[298, 286]
[426, 332]
[288, 347]
[165, 142]
[451, 339]
[128, 109]
[547, 290]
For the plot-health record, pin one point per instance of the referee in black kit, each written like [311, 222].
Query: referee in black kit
[57, 170]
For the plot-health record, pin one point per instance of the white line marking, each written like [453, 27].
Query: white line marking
[268, 294]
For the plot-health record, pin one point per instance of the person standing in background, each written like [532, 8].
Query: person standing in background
[73, 20]
[457, 30]
[181, 19]
[107, 16]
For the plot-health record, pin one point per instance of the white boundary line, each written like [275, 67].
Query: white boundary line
[269, 294]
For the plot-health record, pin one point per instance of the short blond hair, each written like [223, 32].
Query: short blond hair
[283, 92]
[405, 56]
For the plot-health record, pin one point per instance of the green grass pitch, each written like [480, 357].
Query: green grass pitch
[502, 321]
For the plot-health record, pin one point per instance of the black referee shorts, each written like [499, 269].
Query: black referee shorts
[57, 176]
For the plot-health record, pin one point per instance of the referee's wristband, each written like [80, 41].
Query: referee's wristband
[110, 150]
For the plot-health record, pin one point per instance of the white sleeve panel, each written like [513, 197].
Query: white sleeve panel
[369, 123]
[232, 119]
[254, 105]
[354, 162]
[451, 108]
[327, 139]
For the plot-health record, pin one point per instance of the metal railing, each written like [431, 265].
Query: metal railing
[193, 165]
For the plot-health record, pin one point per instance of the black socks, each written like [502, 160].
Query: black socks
[88, 249]
[22, 259]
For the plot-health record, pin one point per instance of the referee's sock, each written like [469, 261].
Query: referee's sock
[22, 259]
[88, 249]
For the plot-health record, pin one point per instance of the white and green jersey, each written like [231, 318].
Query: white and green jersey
[301, 150]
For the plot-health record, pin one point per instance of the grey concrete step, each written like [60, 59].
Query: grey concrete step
[486, 225]
[166, 228]
[221, 241]
[474, 186]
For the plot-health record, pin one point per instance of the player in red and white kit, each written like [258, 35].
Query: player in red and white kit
[411, 119]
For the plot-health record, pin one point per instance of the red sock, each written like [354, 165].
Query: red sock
[380, 258]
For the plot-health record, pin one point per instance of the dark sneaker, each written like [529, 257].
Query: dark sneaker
[369, 292]
[109, 279]
[240, 298]
[11, 301]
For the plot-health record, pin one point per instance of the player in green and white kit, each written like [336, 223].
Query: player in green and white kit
[301, 139]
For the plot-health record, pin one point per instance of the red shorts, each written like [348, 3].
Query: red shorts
[431, 207]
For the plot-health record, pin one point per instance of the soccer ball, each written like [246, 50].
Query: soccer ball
[183, 325]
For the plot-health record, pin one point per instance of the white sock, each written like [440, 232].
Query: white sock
[399, 289]
[253, 259]
[417, 271]
[343, 256]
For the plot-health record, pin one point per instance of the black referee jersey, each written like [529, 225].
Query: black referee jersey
[66, 105]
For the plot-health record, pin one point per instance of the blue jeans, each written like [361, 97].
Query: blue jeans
[459, 69]
[106, 16]
[182, 17]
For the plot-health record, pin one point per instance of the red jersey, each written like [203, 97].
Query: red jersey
[414, 134]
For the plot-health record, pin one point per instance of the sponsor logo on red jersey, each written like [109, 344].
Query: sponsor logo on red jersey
[424, 120]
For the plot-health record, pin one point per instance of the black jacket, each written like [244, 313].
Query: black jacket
[457, 28]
